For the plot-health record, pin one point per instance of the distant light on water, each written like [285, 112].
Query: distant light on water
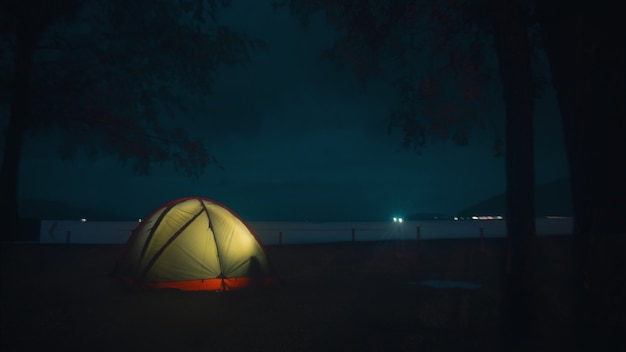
[487, 217]
[83, 220]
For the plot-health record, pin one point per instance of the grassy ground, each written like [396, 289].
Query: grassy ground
[334, 297]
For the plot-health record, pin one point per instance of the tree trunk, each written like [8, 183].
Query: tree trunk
[27, 40]
[513, 50]
[587, 63]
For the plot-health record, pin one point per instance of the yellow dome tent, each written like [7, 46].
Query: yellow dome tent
[194, 243]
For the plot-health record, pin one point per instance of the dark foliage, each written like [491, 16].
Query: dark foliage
[117, 75]
[112, 77]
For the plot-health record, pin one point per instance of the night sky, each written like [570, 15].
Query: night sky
[298, 139]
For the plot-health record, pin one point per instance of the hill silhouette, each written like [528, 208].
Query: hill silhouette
[551, 199]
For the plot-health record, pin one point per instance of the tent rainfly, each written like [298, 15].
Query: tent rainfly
[194, 243]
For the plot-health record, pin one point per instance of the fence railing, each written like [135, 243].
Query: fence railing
[276, 233]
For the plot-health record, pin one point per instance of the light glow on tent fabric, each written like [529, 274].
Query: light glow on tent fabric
[194, 244]
[188, 257]
[236, 249]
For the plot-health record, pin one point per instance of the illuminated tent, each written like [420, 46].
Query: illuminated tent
[194, 244]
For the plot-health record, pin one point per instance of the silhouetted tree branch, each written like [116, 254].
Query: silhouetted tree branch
[114, 77]
[439, 50]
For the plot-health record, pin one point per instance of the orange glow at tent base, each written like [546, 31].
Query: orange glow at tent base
[216, 284]
[185, 242]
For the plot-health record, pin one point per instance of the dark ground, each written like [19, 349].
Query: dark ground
[339, 297]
